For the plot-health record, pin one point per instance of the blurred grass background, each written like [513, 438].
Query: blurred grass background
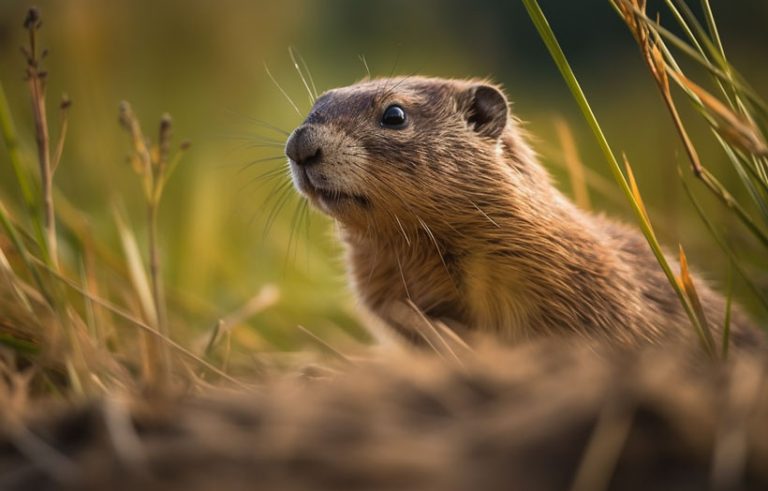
[203, 62]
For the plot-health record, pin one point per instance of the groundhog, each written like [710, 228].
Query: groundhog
[450, 222]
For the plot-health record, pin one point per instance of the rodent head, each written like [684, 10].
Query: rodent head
[400, 149]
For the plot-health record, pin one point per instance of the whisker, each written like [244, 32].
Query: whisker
[439, 252]
[292, 242]
[301, 76]
[405, 236]
[285, 94]
[241, 166]
[257, 121]
[306, 70]
[392, 89]
[250, 164]
[263, 180]
[402, 276]
[383, 89]
[365, 65]
[484, 214]
[277, 190]
[266, 176]
[305, 219]
[264, 145]
[285, 196]
[253, 137]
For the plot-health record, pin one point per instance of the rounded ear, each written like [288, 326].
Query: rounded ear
[486, 110]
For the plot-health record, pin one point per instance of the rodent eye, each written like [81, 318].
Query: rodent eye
[393, 117]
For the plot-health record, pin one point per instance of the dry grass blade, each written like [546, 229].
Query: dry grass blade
[636, 193]
[152, 353]
[686, 282]
[142, 325]
[603, 448]
[136, 270]
[436, 340]
[6, 271]
[57, 465]
[325, 345]
[573, 164]
[64, 106]
[658, 68]
[36, 79]
[122, 433]
[735, 128]
[264, 299]
[141, 159]
[21, 249]
[155, 165]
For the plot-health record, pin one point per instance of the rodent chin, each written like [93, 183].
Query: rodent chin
[335, 202]
[331, 201]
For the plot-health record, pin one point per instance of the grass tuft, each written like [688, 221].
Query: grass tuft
[548, 36]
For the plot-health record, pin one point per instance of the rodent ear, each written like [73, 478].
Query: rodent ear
[487, 110]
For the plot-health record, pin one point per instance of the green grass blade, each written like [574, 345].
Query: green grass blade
[757, 292]
[712, 26]
[12, 145]
[11, 139]
[21, 248]
[715, 52]
[692, 38]
[21, 346]
[730, 202]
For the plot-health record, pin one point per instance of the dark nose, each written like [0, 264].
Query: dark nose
[303, 147]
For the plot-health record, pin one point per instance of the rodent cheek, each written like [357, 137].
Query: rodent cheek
[346, 168]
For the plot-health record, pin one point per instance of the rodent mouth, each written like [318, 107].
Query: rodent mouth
[329, 200]
[334, 198]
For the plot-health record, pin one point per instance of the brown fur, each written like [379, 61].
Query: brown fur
[454, 215]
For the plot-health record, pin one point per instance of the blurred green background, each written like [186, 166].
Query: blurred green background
[203, 62]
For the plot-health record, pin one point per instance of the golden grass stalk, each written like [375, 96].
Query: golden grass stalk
[154, 362]
[36, 80]
[152, 331]
[155, 165]
[18, 243]
[735, 128]
[573, 164]
[686, 282]
[265, 298]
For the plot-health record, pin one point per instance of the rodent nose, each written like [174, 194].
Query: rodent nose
[303, 148]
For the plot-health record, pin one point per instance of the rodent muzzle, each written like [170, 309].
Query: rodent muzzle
[303, 147]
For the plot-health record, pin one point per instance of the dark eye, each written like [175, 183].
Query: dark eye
[393, 117]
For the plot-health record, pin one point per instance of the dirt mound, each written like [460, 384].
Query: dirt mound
[540, 417]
